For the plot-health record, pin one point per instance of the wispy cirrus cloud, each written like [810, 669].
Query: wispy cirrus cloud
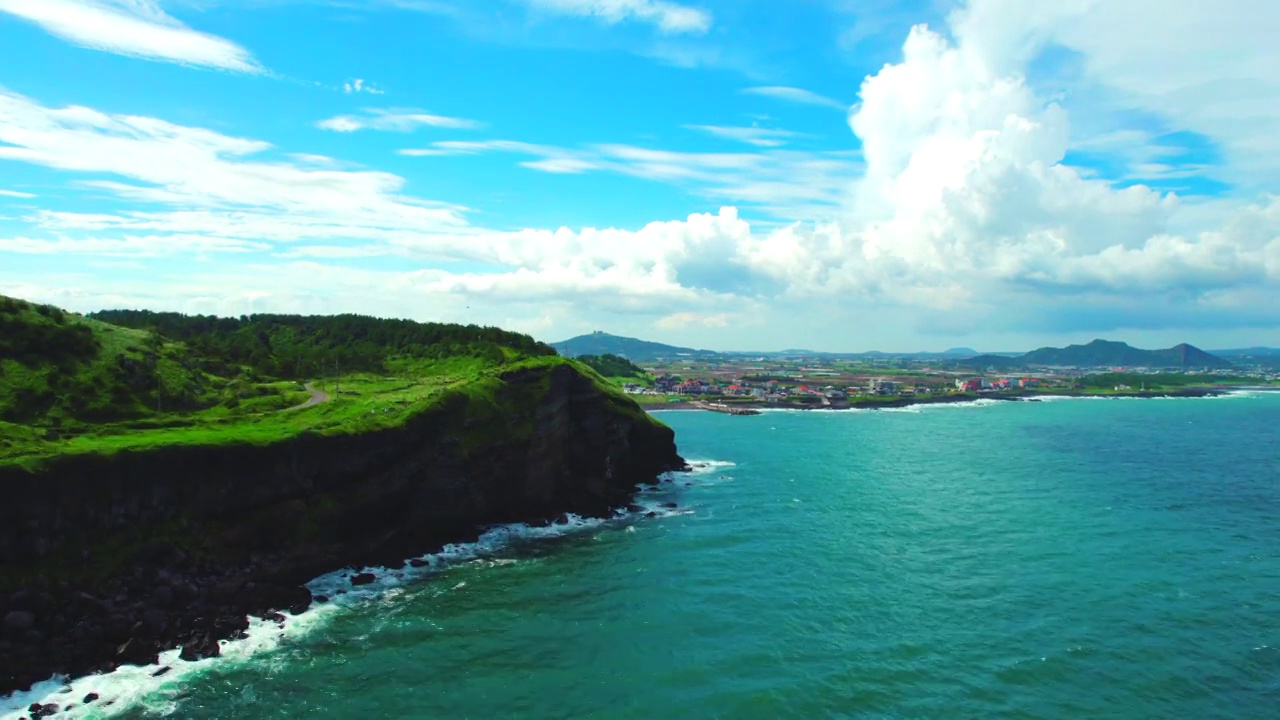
[796, 95]
[668, 17]
[393, 120]
[787, 184]
[16, 194]
[757, 136]
[137, 28]
[129, 246]
[208, 183]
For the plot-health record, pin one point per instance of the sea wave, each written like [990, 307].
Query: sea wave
[927, 407]
[1226, 395]
[914, 408]
[130, 688]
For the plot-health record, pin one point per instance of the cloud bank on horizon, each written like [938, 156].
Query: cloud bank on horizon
[1009, 174]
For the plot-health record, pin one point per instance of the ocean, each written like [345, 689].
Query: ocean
[1069, 558]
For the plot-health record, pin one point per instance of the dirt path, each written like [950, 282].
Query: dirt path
[317, 397]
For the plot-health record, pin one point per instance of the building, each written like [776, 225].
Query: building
[881, 386]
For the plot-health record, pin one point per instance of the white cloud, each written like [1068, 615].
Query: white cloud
[966, 209]
[758, 136]
[796, 95]
[312, 159]
[15, 194]
[358, 86]
[129, 246]
[210, 183]
[393, 121]
[138, 28]
[669, 17]
[693, 319]
[783, 183]
[1207, 68]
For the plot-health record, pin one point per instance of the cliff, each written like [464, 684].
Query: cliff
[109, 558]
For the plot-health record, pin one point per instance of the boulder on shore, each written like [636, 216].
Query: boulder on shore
[137, 652]
[199, 647]
[18, 622]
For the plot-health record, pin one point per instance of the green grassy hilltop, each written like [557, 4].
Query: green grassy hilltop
[132, 380]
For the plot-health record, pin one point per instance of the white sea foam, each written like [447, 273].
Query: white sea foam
[129, 688]
[1229, 394]
[914, 408]
[705, 466]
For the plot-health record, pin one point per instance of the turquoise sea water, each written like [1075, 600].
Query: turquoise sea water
[1061, 559]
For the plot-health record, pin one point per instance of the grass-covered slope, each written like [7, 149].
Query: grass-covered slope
[61, 370]
[72, 385]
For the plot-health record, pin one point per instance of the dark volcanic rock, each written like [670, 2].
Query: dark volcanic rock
[248, 524]
[18, 622]
[155, 620]
[270, 597]
[137, 652]
[200, 647]
[89, 698]
[363, 578]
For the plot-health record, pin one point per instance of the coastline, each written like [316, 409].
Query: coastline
[117, 560]
[757, 406]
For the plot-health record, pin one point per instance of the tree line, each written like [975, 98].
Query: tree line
[612, 365]
[298, 346]
[39, 334]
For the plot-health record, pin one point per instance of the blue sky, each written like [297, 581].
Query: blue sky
[821, 173]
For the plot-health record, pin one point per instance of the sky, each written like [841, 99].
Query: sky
[839, 175]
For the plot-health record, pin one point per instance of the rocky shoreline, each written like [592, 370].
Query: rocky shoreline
[908, 401]
[111, 561]
[171, 601]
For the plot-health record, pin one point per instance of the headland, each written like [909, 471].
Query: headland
[199, 501]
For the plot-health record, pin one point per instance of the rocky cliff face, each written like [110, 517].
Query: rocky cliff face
[109, 559]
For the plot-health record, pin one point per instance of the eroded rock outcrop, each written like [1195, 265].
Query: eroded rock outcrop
[128, 554]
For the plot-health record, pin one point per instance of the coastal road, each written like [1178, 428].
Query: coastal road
[317, 397]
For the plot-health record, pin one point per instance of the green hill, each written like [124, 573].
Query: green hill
[617, 369]
[601, 343]
[74, 384]
[1104, 353]
[59, 369]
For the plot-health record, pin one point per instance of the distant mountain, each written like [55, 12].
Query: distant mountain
[998, 362]
[602, 343]
[959, 351]
[1105, 353]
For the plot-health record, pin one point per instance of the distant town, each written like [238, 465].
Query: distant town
[662, 374]
[781, 380]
